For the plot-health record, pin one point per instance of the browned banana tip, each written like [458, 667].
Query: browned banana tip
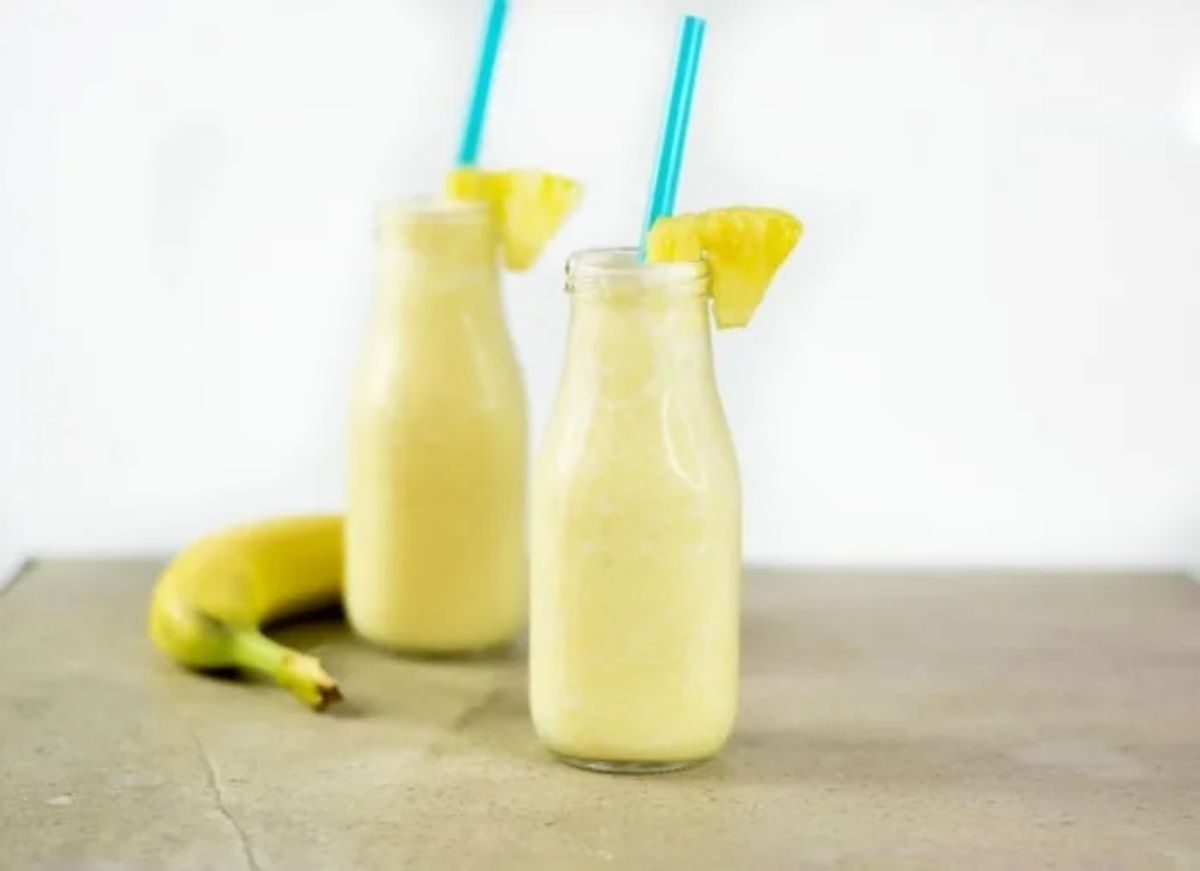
[326, 696]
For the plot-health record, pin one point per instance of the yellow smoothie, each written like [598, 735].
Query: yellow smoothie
[435, 523]
[636, 548]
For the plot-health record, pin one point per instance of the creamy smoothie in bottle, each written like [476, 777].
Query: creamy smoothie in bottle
[636, 520]
[437, 463]
[435, 525]
[636, 546]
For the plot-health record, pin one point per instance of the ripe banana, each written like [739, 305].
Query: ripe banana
[209, 604]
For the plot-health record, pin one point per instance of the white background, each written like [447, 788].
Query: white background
[984, 350]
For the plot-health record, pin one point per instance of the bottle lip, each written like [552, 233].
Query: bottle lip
[438, 210]
[620, 270]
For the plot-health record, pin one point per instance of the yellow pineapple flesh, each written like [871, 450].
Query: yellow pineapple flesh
[528, 206]
[743, 247]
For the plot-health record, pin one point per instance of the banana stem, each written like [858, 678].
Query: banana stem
[289, 668]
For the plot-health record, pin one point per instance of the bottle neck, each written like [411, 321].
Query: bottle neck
[636, 328]
[638, 348]
[428, 252]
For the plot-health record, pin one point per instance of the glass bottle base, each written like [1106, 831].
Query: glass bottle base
[485, 651]
[607, 766]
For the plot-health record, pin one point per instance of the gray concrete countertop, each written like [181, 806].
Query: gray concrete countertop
[897, 720]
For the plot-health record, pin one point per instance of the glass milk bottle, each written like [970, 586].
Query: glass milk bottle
[435, 523]
[636, 549]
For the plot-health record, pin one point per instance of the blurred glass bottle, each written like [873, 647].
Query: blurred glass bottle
[435, 526]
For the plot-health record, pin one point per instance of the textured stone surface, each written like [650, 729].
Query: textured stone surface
[900, 720]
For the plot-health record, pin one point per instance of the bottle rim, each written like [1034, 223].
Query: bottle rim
[620, 270]
[441, 210]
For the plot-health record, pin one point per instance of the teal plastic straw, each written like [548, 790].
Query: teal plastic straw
[472, 134]
[675, 125]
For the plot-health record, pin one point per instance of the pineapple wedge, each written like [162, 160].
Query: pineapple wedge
[743, 246]
[529, 206]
